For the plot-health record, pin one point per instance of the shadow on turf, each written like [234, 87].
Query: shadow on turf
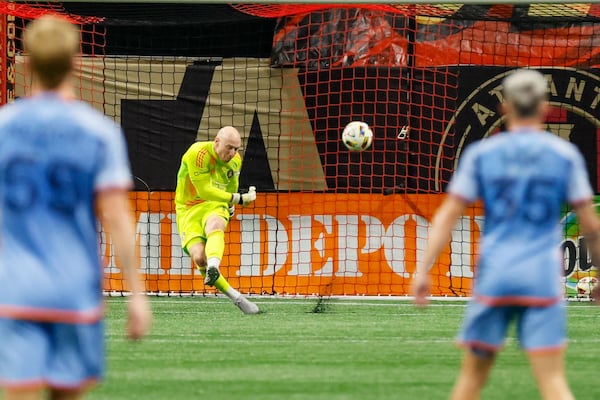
[322, 305]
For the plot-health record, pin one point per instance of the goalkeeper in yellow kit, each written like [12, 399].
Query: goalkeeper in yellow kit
[205, 199]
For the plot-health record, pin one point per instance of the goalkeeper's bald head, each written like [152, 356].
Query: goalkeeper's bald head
[227, 143]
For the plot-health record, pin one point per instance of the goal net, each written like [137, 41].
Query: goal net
[327, 221]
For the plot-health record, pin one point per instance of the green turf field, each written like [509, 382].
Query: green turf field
[204, 348]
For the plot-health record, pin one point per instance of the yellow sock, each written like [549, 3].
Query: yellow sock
[214, 249]
[215, 245]
[222, 284]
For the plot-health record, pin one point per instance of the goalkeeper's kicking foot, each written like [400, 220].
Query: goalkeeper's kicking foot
[212, 274]
[246, 306]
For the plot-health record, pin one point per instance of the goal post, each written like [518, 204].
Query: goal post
[424, 76]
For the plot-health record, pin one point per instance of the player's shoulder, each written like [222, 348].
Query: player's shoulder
[493, 142]
[89, 116]
[69, 115]
[546, 139]
[13, 110]
[559, 145]
[200, 145]
[93, 123]
[481, 147]
[200, 153]
[87, 119]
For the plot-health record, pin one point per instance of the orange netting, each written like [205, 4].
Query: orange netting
[498, 11]
[33, 10]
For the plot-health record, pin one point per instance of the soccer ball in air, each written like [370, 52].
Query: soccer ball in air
[585, 285]
[357, 136]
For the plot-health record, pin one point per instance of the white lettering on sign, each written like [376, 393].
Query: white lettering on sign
[338, 241]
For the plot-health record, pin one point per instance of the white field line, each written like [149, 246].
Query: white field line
[367, 302]
[181, 338]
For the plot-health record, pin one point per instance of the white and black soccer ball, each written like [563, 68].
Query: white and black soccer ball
[585, 285]
[357, 136]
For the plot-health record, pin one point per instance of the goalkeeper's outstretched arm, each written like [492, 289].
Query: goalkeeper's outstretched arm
[208, 192]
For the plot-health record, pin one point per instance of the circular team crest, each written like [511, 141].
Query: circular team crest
[574, 112]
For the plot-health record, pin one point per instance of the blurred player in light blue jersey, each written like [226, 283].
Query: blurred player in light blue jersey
[523, 176]
[61, 162]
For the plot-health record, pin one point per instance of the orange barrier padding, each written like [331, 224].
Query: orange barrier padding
[308, 243]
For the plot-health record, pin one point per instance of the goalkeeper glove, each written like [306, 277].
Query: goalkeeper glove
[231, 211]
[244, 199]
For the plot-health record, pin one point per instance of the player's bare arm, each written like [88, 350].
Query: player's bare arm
[443, 222]
[115, 213]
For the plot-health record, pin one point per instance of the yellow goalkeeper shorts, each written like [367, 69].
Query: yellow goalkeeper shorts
[191, 223]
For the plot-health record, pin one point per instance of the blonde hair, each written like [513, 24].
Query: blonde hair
[51, 42]
[526, 89]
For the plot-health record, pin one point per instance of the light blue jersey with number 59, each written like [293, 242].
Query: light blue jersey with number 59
[55, 155]
[523, 178]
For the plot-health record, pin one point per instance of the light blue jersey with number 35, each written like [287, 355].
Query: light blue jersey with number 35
[523, 178]
[55, 155]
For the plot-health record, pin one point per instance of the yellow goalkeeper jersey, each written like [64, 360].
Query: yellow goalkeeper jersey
[203, 177]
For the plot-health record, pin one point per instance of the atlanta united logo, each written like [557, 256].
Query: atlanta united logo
[574, 113]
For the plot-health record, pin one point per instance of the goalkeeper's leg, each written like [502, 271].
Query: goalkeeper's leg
[246, 306]
[208, 258]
